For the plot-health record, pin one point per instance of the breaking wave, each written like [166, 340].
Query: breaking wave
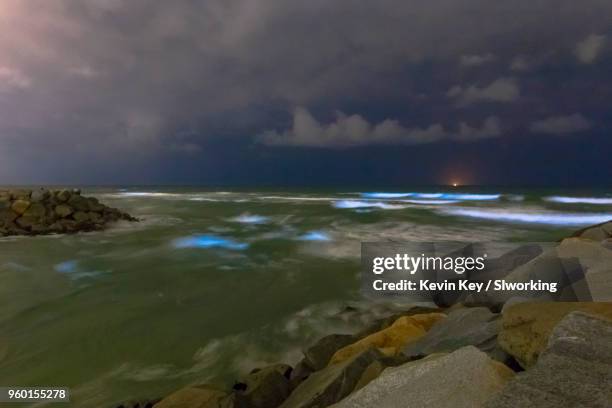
[550, 218]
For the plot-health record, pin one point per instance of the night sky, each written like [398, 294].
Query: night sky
[295, 93]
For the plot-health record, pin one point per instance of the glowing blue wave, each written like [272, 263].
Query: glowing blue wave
[443, 196]
[315, 236]
[570, 219]
[66, 267]
[579, 200]
[209, 241]
[429, 202]
[387, 195]
[471, 197]
[351, 204]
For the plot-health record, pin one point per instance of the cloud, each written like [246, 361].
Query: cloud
[520, 64]
[560, 125]
[112, 79]
[354, 130]
[84, 71]
[13, 79]
[500, 90]
[589, 49]
[476, 60]
[490, 128]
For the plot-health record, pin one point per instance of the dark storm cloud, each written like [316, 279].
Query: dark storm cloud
[113, 85]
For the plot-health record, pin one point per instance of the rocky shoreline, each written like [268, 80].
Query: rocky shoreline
[42, 211]
[524, 353]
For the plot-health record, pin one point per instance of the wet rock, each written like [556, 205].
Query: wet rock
[596, 232]
[526, 327]
[80, 216]
[301, 372]
[596, 260]
[139, 404]
[201, 396]
[47, 212]
[392, 315]
[318, 355]
[79, 203]
[63, 196]
[267, 387]
[372, 372]
[20, 206]
[7, 216]
[39, 195]
[475, 326]
[36, 210]
[575, 369]
[27, 222]
[63, 210]
[20, 194]
[331, 384]
[466, 378]
[392, 339]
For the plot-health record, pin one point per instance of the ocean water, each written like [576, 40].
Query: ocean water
[214, 283]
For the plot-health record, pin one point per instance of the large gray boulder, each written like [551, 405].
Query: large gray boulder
[330, 385]
[575, 369]
[466, 378]
[596, 232]
[475, 326]
[596, 261]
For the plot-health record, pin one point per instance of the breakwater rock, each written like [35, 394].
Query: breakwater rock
[42, 211]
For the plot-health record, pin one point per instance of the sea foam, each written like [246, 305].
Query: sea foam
[550, 218]
[579, 200]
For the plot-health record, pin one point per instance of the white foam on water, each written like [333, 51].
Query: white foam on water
[297, 198]
[549, 218]
[247, 218]
[386, 195]
[145, 194]
[579, 200]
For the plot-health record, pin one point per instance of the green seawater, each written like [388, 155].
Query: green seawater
[142, 309]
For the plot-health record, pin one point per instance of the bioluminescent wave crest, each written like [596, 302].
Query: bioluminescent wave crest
[579, 200]
[250, 219]
[443, 196]
[550, 218]
[470, 197]
[315, 236]
[430, 202]
[350, 204]
[209, 241]
[387, 195]
[66, 267]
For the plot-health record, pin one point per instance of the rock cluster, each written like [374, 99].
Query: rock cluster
[524, 354]
[38, 212]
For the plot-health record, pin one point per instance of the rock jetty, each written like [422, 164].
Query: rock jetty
[42, 211]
